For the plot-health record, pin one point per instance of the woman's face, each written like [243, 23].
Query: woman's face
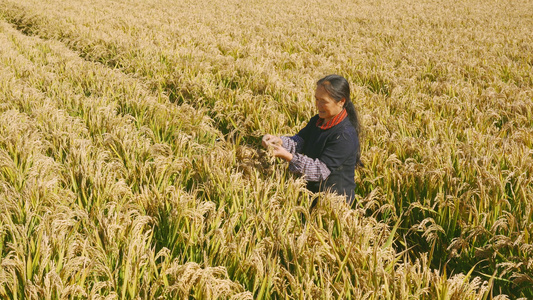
[327, 106]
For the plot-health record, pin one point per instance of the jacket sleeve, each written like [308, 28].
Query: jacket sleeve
[293, 144]
[311, 169]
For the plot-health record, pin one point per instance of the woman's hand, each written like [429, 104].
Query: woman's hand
[279, 151]
[275, 143]
[271, 140]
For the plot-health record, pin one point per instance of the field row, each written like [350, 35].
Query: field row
[100, 199]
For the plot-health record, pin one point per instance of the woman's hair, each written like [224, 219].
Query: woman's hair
[339, 88]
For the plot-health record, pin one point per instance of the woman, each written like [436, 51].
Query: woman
[326, 151]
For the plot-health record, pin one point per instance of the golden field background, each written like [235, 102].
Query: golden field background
[131, 167]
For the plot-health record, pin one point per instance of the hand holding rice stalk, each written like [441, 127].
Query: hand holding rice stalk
[274, 145]
[271, 140]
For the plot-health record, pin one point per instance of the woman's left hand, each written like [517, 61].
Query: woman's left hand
[279, 151]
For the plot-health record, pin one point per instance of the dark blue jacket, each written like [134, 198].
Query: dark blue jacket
[338, 148]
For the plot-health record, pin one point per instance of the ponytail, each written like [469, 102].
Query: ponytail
[352, 115]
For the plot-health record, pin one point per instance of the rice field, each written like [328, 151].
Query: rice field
[131, 165]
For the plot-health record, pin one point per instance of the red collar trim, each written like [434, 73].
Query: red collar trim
[335, 121]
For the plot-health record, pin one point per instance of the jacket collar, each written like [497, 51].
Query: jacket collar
[334, 121]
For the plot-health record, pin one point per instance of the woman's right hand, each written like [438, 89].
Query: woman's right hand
[269, 140]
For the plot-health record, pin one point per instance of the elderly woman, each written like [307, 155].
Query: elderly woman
[326, 151]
